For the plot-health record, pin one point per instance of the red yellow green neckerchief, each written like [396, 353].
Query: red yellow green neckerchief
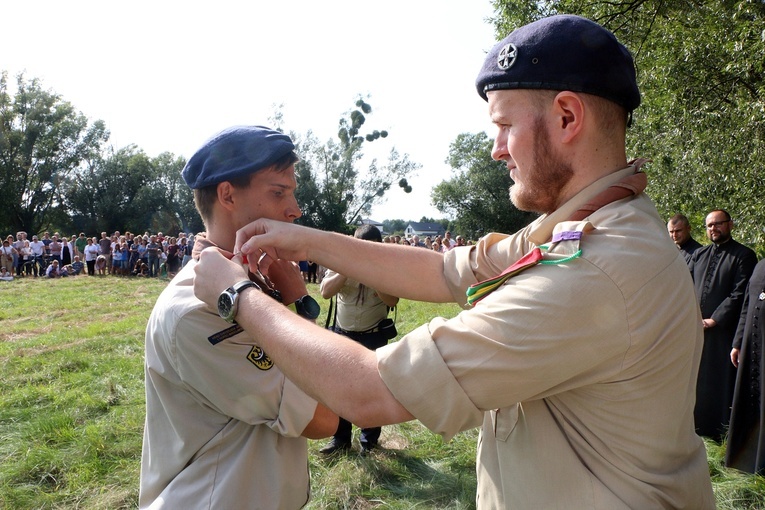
[480, 290]
[631, 184]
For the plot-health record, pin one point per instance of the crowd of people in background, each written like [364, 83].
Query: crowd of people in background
[435, 243]
[147, 255]
[55, 255]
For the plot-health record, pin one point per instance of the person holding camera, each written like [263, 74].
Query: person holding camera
[361, 315]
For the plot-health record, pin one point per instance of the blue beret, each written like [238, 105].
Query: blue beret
[235, 152]
[562, 52]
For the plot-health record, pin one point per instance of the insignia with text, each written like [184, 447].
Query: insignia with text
[259, 358]
[226, 333]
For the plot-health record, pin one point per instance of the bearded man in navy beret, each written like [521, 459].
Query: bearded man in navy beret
[579, 344]
[224, 427]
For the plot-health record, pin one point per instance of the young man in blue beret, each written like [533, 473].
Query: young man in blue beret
[580, 341]
[224, 427]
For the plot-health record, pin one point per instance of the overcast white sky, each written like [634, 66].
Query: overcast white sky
[166, 75]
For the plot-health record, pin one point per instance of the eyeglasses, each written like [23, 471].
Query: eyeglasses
[714, 224]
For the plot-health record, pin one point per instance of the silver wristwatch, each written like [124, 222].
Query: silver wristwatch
[228, 299]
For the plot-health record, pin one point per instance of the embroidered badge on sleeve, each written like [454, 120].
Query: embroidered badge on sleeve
[256, 356]
[259, 358]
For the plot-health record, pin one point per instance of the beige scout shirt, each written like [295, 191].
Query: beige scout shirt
[362, 309]
[221, 431]
[582, 373]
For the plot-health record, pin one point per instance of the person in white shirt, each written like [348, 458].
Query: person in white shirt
[91, 254]
[447, 241]
[5, 276]
[38, 250]
[53, 270]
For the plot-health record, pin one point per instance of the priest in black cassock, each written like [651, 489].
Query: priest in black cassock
[746, 436]
[721, 271]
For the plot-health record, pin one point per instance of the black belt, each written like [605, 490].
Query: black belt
[365, 332]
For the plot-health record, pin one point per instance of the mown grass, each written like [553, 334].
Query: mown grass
[72, 412]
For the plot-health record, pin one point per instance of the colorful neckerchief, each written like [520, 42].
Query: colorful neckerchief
[479, 290]
[632, 184]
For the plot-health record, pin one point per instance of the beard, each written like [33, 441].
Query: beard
[720, 238]
[540, 186]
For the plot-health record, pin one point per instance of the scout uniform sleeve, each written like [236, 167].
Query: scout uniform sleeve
[531, 338]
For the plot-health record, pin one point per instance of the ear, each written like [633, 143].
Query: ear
[226, 195]
[569, 111]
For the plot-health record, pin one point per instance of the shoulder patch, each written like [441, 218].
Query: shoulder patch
[218, 337]
[259, 358]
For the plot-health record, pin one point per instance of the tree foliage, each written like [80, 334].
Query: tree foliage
[477, 196]
[333, 191]
[42, 141]
[56, 174]
[130, 190]
[395, 226]
[702, 76]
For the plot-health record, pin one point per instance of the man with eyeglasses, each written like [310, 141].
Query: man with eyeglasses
[679, 229]
[720, 271]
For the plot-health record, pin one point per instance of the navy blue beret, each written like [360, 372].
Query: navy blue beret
[562, 52]
[235, 152]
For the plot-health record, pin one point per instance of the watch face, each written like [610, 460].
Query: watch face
[308, 307]
[226, 306]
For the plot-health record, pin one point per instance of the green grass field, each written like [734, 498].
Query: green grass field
[72, 412]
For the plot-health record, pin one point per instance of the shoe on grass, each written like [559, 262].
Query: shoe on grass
[335, 446]
[367, 447]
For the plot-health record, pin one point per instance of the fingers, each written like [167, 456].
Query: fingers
[287, 278]
[734, 357]
[247, 232]
[264, 262]
[214, 272]
[279, 239]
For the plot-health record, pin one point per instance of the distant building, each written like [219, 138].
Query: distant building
[367, 221]
[424, 229]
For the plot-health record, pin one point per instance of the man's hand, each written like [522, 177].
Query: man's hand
[286, 277]
[734, 356]
[278, 239]
[214, 273]
[708, 323]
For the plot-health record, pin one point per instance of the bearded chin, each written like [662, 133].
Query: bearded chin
[541, 188]
[524, 200]
[515, 197]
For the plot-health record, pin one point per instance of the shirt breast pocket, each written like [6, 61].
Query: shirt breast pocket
[504, 420]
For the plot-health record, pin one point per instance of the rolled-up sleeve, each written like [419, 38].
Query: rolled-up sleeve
[548, 329]
[433, 395]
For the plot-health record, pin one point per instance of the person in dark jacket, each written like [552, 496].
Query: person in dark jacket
[721, 271]
[746, 436]
[679, 229]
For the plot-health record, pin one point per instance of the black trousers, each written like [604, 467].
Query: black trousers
[344, 431]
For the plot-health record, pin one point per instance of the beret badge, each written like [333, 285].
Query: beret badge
[506, 57]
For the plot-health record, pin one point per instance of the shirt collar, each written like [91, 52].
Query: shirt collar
[541, 229]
